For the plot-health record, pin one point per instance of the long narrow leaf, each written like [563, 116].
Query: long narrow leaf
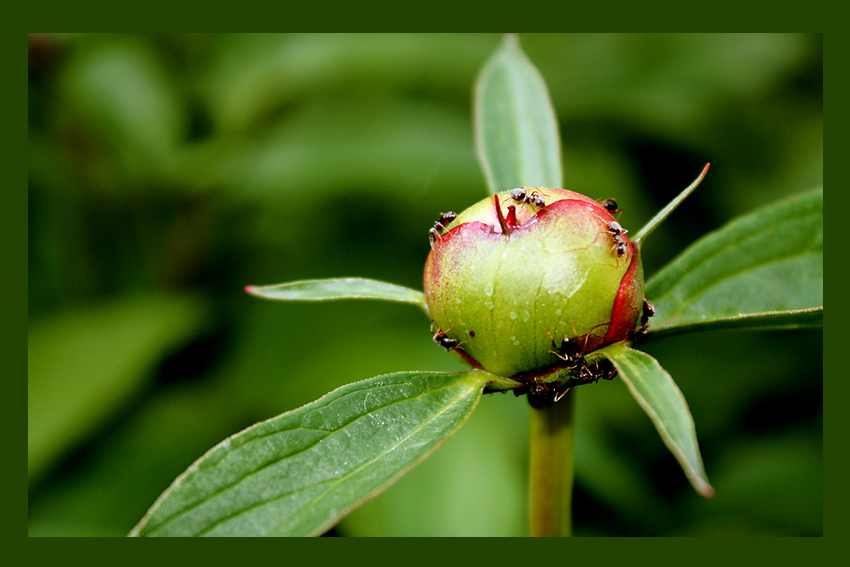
[761, 270]
[663, 402]
[516, 130]
[301, 472]
[338, 288]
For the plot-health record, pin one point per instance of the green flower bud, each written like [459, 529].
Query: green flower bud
[531, 279]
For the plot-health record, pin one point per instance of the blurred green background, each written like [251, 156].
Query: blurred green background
[167, 172]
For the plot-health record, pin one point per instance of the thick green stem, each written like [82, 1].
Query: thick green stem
[551, 433]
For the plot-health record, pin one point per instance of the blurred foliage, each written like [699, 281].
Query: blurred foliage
[166, 172]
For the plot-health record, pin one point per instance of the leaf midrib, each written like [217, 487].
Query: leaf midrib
[446, 408]
[692, 297]
[183, 511]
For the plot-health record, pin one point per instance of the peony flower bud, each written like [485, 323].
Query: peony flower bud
[532, 279]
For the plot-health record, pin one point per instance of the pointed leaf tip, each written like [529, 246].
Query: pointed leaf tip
[671, 206]
[662, 400]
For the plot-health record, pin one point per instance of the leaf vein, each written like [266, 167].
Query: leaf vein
[187, 509]
[337, 480]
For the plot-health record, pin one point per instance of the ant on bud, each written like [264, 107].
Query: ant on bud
[647, 312]
[446, 218]
[445, 341]
[610, 205]
[540, 394]
[522, 195]
[435, 233]
[616, 231]
[602, 370]
[570, 350]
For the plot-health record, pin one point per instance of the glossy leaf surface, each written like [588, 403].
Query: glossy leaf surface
[301, 472]
[762, 270]
[516, 130]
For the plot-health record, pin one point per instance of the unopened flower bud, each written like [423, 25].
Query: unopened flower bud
[532, 279]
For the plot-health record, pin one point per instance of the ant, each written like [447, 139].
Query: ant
[610, 205]
[606, 372]
[647, 311]
[616, 231]
[522, 195]
[446, 218]
[445, 341]
[435, 233]
[540, 394]
[570, 350]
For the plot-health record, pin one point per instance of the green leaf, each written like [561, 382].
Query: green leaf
[339, 288]
[301, 472]
[762, 270]
[84, 362]
[663, 402]
[516, 130]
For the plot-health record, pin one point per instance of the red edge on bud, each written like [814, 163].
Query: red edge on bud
[252, 289]
[627, 306]
[468, 359]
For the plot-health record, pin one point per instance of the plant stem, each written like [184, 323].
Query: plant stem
[551, 432]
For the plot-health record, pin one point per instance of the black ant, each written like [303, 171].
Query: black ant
[647, 312]
[610, 205]
[540, 394]
[435, 233]
[522, 195]
[616, 231]
[445, 341]
[607, 372]
[569, 351]
[446, 218]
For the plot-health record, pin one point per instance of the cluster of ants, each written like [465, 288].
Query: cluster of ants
[522, 195]
[571, 351]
